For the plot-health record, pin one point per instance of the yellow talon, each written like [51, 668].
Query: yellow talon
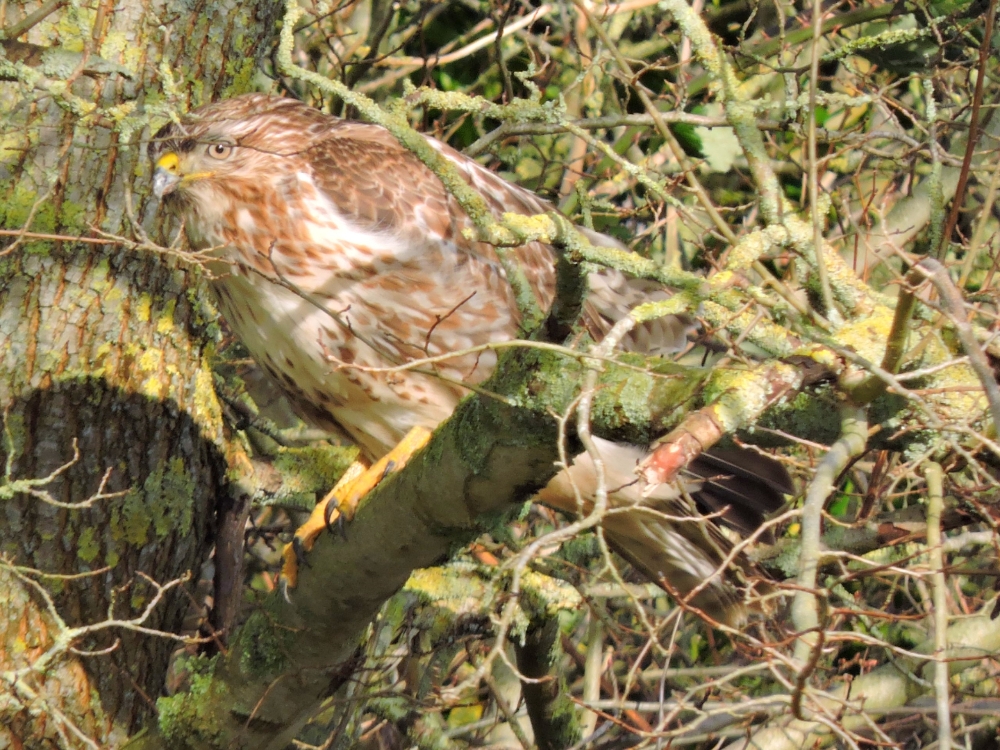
[356, 482]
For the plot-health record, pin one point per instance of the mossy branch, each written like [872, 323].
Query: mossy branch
[553, 716]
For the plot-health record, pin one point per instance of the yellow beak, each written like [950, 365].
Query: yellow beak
[166, 176]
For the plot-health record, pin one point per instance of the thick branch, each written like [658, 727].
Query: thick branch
[552, 715]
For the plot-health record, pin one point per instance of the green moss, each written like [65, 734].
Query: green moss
[15, 434]
[637, 405]
[87, 545]
[72, 216]
[15, 211]
[804, 414]
[165, 504]
[262, 645]
[192, 716]
[129, 519]
[171, 496]
[46, 534]
[580, 550]
[313, 468]
[555, 375]
[242, 71]
[635, 402]
[499, 523]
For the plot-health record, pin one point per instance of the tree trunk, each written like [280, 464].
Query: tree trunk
[102, 349]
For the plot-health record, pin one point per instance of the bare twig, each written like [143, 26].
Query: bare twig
[939, 615]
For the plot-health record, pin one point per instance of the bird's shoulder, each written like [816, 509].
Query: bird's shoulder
[374, 180]
[379, 185]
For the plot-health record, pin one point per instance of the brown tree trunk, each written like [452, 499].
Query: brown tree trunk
[103, 350]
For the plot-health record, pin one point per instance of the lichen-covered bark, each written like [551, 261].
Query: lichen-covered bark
[163, 450]
[291, 652]
[104, 347]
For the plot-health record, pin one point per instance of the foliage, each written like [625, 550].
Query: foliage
[821, 196]
[704, 159]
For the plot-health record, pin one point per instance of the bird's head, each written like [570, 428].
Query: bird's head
[180, 163]
[218, 142]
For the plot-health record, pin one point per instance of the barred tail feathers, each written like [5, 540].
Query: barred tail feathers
[666, 537]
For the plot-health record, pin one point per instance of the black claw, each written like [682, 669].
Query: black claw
[328, 512]
[389, 466]
[328, 515]
[300, 552]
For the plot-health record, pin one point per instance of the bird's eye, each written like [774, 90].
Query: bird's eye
[220, 150]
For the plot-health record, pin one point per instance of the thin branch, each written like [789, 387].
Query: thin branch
[469, 49]
[805, 607]
[32, 19]
[814, 200]
[973, 136]
[954, 305]
[939, 615]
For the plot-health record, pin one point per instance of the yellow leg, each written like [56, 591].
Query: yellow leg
[344, 498]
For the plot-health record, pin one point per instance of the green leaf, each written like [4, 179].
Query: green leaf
[688, 137]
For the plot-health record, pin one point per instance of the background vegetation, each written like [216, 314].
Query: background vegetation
[817, 181]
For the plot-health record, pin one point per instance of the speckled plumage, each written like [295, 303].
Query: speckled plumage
[308, 215]
[340, 211]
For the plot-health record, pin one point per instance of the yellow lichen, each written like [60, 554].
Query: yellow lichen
[143, 305]
[868, 334]
[549, 595]
[745, 394]
[165, 321]
[153, 386]
[205, 408]
[150, 360]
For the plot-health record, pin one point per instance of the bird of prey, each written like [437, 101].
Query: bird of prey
[337, 250]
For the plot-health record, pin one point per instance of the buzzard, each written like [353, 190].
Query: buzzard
[337, 250]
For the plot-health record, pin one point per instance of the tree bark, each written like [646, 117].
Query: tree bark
[103, 348]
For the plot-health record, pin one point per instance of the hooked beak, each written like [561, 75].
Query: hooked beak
[166, 177]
